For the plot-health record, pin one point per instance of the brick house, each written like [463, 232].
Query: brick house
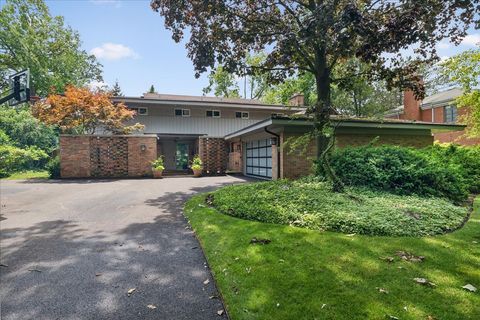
[437, 108]
[230, 135]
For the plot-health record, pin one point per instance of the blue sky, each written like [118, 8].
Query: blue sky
[129, 39]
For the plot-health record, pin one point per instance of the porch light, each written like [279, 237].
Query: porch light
[273, 141]
[143, 147]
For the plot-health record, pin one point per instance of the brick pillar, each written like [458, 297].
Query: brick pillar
[214, 155]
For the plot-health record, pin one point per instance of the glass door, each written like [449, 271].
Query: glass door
[181, 156]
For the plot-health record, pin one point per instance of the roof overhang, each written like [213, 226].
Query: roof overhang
[165, 102]
[346, 123]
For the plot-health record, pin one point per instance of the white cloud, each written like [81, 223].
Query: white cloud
[471, 40]
[113, 51]
[444, 45]
[94, 85]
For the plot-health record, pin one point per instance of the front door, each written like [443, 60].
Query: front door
[181, 157]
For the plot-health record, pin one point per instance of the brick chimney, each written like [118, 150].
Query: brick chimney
[411, 106]
[297, 100]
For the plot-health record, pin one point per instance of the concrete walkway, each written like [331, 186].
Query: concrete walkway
[74, 249]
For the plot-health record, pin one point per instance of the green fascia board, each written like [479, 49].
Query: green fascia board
[372, 124]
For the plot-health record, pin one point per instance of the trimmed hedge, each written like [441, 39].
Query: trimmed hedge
[406, 171]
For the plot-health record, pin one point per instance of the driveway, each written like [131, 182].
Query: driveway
[74, 249]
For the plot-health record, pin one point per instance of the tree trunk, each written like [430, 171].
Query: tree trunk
[325, 141]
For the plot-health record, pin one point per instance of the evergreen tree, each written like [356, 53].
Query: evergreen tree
[152, 89]
[116, 90]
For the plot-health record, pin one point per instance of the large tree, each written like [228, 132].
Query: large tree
[30, 37]
[314, 36]
[464, 70]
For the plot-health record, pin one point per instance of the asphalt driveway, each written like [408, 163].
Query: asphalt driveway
[74, 249]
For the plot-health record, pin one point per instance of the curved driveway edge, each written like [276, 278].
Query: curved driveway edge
[74, 249]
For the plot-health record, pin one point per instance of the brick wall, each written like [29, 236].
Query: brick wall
[74, 156]
[295, 164]
[417, 141]
[106, 156]
[141, 152]
[214, 155]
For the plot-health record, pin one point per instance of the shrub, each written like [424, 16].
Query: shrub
[157, 164]
[13, 159]
[466, 160]
[399, 170]
[53, 167]
[311, 204]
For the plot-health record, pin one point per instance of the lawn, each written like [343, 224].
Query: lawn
[310, 274]
[30, 174]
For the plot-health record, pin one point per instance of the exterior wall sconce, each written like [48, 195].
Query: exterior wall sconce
[143, 147]
[273, 141]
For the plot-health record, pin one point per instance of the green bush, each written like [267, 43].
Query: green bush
[311, 204]
[13, 159]
[465, 160]
[404, 171]
[53, 167]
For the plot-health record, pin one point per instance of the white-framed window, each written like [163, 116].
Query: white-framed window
[450, 114]
[213, 114]
[242, 115]
[140, 111]
[182, 112]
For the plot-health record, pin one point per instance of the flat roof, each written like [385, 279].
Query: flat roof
[203, 101]
[343, 122]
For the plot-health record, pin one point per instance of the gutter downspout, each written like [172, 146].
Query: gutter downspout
[278, 149]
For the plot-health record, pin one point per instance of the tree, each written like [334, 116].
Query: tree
[82, 111]
[314, 36]
[116, 90]
[24, 130]
[222, 83]
[31, 38]
[152, 89]
[464, 70]
[303, 83]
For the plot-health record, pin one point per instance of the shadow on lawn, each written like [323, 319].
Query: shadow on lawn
[59, 269]
[338, 275]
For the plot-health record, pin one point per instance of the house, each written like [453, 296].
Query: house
[437, 108]
[248, 136]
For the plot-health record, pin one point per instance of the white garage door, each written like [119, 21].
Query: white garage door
[259, 158]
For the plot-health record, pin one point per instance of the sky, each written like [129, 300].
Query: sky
[130, 41]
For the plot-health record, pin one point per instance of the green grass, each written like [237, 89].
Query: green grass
[30, 174]
[307, 274]
[311, 204]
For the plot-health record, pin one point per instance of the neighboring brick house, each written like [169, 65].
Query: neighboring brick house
[235, 135]
[437, 108]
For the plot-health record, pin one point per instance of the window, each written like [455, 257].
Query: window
[213, 114]
[140, 111]
[450, 114]
[274, 115]
[182, 112]
[242, 115]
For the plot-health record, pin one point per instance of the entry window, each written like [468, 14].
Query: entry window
[140, 111]
[450, 114]
[182, 112]
[259, 158]
[242, 115]
[213, 114]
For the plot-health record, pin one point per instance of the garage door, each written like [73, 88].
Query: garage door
[259, 158]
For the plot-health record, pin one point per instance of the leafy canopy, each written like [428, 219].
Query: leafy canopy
[464, 69]
[30, 37]
[83, 111]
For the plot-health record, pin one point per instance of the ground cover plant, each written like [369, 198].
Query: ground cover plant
[307, 274]
[311, 203]
[28, 174]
